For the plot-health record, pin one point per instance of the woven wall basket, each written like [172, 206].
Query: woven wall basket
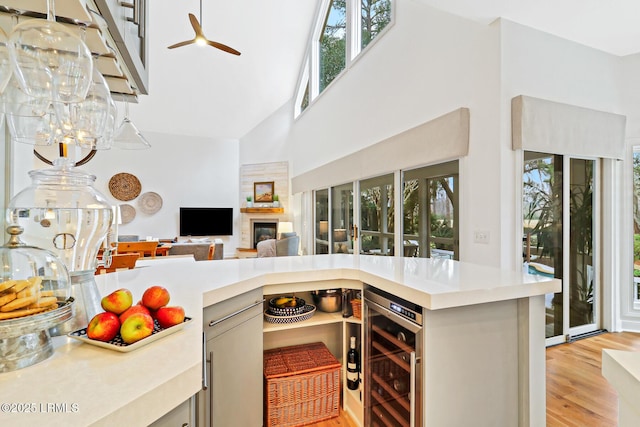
[124, 186]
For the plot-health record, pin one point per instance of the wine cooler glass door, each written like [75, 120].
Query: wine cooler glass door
[392, 383]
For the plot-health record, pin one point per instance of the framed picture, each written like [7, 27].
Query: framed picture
[263, 192]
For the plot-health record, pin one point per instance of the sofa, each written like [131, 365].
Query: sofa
[199, 250]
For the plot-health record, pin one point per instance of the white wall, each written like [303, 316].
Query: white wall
[183, 170]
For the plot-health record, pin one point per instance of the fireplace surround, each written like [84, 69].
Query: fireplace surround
[262, 229]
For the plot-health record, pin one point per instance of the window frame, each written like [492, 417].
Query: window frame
[310, 71]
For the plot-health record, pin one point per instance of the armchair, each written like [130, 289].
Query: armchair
[287, 245]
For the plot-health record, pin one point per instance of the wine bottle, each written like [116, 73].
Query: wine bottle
[353, 366]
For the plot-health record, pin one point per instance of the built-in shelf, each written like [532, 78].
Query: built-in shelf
[318, 318]
[262, 210]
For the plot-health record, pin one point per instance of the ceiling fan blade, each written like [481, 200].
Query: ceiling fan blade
[223, 47]
[196, 26]
[184, 43]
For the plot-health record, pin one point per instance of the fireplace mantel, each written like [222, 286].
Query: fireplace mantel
[262, 210]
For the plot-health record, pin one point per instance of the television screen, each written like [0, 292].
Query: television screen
[206, 221]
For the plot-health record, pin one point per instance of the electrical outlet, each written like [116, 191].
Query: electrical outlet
[481, 236]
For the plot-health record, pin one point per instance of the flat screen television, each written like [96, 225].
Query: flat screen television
[206, 221]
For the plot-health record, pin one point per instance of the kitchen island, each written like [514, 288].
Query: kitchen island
[83, 385]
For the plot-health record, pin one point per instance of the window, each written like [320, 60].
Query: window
[430, 211]
[344, 28]
[375, 15]
[342, 218]
[322, 221]
[333, 43]
[636, 224]
[377, 216]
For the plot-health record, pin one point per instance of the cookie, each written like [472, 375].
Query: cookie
[7, 298]
[7, 284]
[18, 303]
[21, 313]
[44, 302]
[21, 285]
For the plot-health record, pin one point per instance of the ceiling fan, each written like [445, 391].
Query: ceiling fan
[200, 38]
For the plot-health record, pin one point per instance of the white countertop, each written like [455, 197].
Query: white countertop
[622, 370]
[96, 386]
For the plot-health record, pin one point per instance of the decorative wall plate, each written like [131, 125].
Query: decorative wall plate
[150, 202]
[127, 212]
[124, 186]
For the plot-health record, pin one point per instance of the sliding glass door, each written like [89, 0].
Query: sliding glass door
[560, 230]
[430, 211]
[377, 216]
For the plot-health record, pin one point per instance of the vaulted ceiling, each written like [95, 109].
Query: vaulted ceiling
[206, 92]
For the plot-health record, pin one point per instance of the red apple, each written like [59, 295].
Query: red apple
[103, 326]
[155, 297]
[138, 308]
[136, 327]
[117, 301]
[170, 316]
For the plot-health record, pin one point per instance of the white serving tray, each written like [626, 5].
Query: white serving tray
[118, 345]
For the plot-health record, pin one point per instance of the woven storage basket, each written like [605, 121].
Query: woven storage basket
[356, 305]
[302, 385]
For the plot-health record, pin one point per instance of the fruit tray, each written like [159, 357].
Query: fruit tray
[276, 310]
[118, 345]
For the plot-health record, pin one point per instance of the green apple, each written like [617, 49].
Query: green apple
[103, 326]
[136, 327]
[117, 301]
[155, 297]
[138, 308]
[170, 316]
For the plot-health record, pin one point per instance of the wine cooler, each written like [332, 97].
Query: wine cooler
[392, 351]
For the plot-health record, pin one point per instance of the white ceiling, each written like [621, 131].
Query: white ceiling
[609, 25]
[206, 92]
[203, 91]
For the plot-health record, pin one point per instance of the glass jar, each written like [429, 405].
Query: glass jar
[35, 296]
[62, 212]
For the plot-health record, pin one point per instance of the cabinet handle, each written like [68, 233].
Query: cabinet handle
[229, 316]
[412, 390]
[205, 383]
[210, 402]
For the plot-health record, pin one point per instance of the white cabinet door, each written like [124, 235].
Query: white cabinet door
[234, 363]
[180, 416]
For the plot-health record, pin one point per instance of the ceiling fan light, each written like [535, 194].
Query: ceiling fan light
[200, 41]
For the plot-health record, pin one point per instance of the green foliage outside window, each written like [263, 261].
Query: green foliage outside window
[376, 14]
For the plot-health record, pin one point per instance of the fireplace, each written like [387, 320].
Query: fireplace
[263, 230]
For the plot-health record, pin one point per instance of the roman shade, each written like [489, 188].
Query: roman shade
[436, 141]
[552, 127]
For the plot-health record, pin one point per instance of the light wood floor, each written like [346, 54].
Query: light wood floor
[577, 393]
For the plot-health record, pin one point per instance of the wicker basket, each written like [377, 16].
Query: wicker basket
[356, 305]
[302, 385]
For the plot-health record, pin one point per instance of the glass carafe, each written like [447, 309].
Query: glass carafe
[62, 212]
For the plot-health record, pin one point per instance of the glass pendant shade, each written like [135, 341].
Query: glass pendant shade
[5, 61]
[50, 61]
[127, 136]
